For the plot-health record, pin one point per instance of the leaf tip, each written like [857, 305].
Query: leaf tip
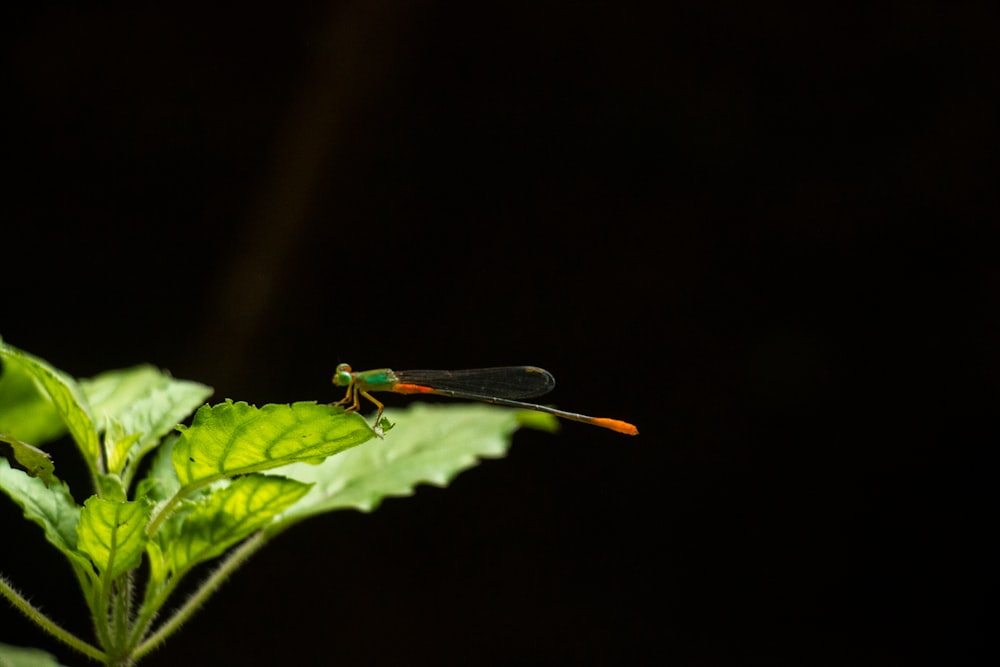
[539, 421]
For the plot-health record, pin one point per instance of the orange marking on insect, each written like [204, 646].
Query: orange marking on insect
[617, 425]
[403, 388]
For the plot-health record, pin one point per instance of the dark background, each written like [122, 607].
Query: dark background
[757, 230]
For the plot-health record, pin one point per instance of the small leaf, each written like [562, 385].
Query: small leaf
[26, 413]
[112, 534]
[430, 444]
[20, 656]
[236, 438]
[65, 394]
[32, 460]
[140, 405]
[112, 392]
[52, 507]
[117, 443]
[227, 516]
[110, 488]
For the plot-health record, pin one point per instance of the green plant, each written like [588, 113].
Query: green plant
[220, 488]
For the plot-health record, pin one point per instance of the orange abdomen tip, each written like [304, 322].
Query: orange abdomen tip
[616, 425]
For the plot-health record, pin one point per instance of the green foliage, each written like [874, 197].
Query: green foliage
[229, 515]
[219, 489]
[30, 459]
[238, 439]
[431, 444]
[64, 395]
[15, 656]
[112, 534]
[28, 414]
[137, 407]
[51, 507]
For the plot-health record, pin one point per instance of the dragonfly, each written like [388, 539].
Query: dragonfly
[503, 385]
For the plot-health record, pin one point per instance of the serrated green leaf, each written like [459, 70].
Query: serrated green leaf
[430, 444]
[231, 439]
[227, 516]
[20, 656]
[112, 534]
[26, 413]
[32, 460]
[139, 406]
[112, 392]
[51, 507]
[65, 394]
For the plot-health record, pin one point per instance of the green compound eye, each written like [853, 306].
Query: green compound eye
[343, 376]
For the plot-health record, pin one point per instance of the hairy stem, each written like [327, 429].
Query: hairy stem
[47, 624]
[236, 558]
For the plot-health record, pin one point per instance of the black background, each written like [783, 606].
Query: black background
[760, 231]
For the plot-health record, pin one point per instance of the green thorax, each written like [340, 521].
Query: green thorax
[380, 379]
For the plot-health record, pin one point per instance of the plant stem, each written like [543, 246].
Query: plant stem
[236, 558]
[121, 610]
[166, 509]
[98, 605]
[150, 607]
[48, 624]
